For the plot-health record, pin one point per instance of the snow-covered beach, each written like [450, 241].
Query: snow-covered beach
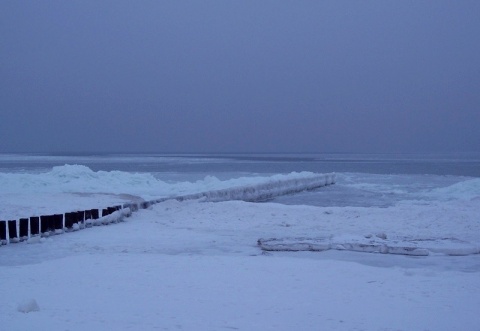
[240, 165]
[196, 265]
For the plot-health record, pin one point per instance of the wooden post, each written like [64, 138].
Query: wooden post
[94, 214]
[3, 232]
[58, 223]
[70, 218]
[81, 218]
[47, 224]
[34, 226]
[105, 212]
[12, 231]
[88, 214]
[24, 234]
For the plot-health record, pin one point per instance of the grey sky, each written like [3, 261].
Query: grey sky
[239, 76]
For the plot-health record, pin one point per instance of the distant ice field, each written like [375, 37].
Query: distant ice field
[362, 180]
[196, 166]
[379, 190]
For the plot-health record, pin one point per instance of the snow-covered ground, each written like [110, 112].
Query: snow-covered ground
[196, 265]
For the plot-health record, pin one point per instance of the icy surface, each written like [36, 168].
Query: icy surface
[196, 265]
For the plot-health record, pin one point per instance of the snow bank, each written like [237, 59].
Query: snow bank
[378, 243]
[115, 217]
[466, 190]
[77, 178]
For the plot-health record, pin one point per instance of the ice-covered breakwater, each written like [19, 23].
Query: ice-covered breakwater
[268, 190]
[12, 231]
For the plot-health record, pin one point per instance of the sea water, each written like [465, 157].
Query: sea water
[364, 180]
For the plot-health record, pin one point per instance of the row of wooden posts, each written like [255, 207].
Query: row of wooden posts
[14, 231]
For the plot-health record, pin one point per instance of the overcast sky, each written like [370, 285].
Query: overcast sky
[240, 76]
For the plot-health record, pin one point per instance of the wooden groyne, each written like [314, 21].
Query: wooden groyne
[24, 229]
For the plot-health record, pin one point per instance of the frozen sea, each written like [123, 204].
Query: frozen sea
[196, 265]
[363, 179]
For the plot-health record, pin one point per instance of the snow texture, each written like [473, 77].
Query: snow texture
[196, 266]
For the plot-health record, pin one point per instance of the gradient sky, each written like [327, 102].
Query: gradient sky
[240, 76]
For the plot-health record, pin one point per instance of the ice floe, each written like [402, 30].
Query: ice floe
[372, 243]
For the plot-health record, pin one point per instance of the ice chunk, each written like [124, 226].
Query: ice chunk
[28, 306]
[373, 244]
